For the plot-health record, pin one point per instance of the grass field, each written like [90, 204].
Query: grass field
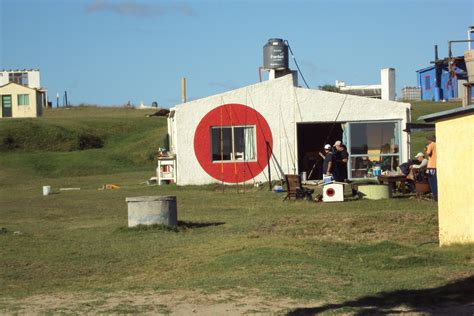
[72, 252]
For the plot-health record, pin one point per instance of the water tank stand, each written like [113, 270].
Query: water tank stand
[467, 93]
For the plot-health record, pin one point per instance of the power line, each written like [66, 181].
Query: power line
[296, 63]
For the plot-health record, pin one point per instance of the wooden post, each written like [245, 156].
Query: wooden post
[268, 166]
[467, 94]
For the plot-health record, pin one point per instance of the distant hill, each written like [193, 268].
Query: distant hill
[82, 141]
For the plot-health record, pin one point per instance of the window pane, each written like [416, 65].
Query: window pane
[427, 83]
[23, 99]
[362, 167]
[250, 147]
[374, 138]
[7, 101]
[239, 143]
[221, 147]
[244, 143]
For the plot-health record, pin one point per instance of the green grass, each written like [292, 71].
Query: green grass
[237, 238]
[49, 145]
[420, 108]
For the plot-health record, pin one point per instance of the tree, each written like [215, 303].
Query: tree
[328, 87]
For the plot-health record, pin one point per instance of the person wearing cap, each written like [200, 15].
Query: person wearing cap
[411, 169]
[340, 161]
[423, 161]
[431, 167]
[328, 157]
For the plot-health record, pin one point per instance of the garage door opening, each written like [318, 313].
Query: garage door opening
[311, 140]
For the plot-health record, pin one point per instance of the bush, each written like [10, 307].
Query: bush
[89, 141]
[8, 143]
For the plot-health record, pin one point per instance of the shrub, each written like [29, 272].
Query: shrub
[89, 141]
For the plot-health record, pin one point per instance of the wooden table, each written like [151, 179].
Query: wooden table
[392, 180]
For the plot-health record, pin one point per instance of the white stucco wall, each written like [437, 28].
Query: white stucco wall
[33, 77]
[282, 105]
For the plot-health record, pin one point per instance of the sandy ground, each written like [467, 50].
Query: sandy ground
[175, 303]
[188, 303]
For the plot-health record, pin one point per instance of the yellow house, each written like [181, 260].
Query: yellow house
[20, 101]
[455, 169]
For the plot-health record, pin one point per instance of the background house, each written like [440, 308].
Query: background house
[411, 94]
[20, 101]
[437, 82]
[29, 78]
[274, 128]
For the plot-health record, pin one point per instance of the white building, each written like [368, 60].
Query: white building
[274, 128]
[385, 90]
[29, 78]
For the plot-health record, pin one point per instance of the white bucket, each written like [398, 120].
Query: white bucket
[46, 190]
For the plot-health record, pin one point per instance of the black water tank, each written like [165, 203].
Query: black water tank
[275, 54]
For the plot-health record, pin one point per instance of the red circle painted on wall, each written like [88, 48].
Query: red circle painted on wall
[233, 143]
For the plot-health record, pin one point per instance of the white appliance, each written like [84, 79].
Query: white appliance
[333, 192]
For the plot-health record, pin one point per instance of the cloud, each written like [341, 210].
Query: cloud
[136, 8]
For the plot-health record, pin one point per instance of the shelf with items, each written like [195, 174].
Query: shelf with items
[166, 170]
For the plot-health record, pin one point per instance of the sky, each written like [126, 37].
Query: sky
[111, 52]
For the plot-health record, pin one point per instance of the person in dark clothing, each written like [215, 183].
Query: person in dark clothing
[340, 161]
[328, 163]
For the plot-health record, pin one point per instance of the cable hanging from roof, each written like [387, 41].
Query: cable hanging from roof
[296, 63]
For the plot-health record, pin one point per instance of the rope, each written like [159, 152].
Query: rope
[222, 151]
[335, 120]
[260, 125]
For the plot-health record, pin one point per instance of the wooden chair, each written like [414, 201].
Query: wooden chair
[295, 189]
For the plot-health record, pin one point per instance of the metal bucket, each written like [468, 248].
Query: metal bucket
[149, 210]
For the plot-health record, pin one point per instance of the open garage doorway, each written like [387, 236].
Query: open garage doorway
[311, 140]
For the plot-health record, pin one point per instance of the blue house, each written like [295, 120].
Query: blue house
[437, 84]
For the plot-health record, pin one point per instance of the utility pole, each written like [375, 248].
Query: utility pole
[65, 98]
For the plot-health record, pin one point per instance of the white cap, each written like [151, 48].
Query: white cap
[327, 146]
[337, 143]
[419, 155]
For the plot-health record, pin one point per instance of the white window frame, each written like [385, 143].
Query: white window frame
[232, 154]
[349, 145]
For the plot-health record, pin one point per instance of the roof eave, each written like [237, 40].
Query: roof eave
[447, 114]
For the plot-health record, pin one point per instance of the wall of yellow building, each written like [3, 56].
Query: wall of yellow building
[455, 168]
[31, 110]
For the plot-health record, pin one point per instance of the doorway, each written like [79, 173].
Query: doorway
[6, 106]
[311, 139]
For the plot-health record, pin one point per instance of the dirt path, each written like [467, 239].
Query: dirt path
[175, 303]
[195, 303]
